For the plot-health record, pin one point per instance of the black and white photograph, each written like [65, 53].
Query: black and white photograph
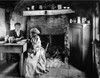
[49, 39]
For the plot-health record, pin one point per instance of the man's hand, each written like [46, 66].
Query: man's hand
[11, 39]
[18, 39]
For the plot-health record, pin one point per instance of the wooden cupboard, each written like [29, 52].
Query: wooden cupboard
[80, 46]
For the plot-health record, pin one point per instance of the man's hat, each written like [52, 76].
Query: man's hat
[34, 30]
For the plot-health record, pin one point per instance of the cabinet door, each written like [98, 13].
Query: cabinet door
[76, 47]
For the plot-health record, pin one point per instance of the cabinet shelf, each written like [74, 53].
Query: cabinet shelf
[47, 12]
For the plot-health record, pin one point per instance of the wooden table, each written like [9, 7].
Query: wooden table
[19, 47]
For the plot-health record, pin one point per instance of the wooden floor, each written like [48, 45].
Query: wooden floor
[65, 71]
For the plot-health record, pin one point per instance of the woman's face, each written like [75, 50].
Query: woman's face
[32, 34]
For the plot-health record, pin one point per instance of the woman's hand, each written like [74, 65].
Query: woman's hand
[34, 52]
[18, 39]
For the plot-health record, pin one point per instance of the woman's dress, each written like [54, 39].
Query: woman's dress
[36, 61]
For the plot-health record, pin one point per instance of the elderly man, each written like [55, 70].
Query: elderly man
[17, 34]
[14, 36]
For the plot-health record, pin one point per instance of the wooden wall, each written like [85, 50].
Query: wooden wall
[17, 18]
[2, 23]
[2, 27]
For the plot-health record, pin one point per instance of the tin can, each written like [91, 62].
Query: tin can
[32, 7]
[28, 8]
[83, 19]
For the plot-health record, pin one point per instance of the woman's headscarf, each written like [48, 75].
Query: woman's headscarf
[34, 30]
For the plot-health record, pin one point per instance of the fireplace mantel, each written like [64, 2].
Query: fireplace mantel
[47, 12]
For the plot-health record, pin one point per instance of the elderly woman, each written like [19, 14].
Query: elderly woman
[35, 63]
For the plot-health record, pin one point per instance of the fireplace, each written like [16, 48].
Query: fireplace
[53, 40]
[56, 46]
[57, 40]
[54, 30]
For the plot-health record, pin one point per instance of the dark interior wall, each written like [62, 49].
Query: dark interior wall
[83, 9]
[81, 12]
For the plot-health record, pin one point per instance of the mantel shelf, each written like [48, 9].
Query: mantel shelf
[47, 12]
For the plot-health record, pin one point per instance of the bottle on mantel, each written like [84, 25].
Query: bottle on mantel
[44, 7]
[53, 6]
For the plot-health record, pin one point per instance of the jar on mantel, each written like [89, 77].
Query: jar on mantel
[52, 6]
[44, 7]
[40, 7]
[59, 6]
[74, 20]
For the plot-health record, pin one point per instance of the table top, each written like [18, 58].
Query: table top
[18, 47]
[19, 43]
